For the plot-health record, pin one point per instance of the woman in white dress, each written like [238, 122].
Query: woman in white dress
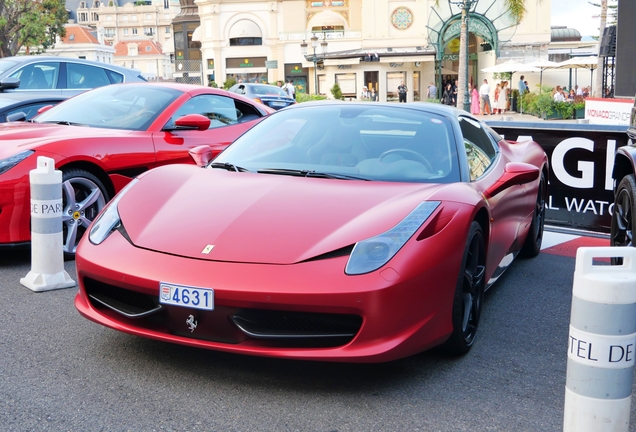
[502, 100]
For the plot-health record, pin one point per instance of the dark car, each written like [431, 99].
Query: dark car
[624, 214]
[24, 106]
[48, 75]
[272, 96]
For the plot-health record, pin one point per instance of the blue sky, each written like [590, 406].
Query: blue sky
[577, 14]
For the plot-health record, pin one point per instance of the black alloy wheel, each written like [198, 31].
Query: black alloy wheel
[83, 197]
[532, 245]
[469, 293]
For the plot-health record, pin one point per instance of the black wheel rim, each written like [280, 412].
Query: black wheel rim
[472, 294]
[622, 223]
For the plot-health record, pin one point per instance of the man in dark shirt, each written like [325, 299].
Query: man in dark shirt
[402, 92]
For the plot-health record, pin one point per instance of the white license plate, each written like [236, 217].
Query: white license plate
[186, 296]
[278, 103]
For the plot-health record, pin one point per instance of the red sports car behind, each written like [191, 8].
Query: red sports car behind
[103, 138]
[329, 231]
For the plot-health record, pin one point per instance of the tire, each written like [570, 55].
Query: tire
[624, 215]
[469, 294]
[83, 197]
[532, 245]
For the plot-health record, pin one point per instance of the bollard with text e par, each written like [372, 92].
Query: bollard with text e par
[47, 253]
[601, 346]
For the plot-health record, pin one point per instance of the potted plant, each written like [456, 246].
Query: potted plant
[337, 92]
[514, 100]
[579, 107]
[564, 110]
[544, 105]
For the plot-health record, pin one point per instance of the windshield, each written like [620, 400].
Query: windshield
[126, 106]
[268, 90]
[5, 65]
[358, 141]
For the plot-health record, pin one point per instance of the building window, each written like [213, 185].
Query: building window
[96, 4]
[148, 31]
[148, 16]
[110, 32]
[124, 18]
[134, 31]
[134, 18]
[109, 18]
[82, 5]
[393, 80]
[148, 48]
[246, 41]
[167, 30]
[94, 17]
[322, 84]
[416, 86]
[82, 17]
[125, 32]
[347, 83]
[333, 30]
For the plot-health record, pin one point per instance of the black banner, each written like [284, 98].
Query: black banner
[581, 161]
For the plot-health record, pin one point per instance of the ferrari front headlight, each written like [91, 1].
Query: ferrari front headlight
[109, 219]
[371, 254]
[11, 161]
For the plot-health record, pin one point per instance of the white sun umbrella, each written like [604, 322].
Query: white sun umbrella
[589, 62]
[543, 65]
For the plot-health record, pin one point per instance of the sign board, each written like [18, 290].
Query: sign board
[581, 158]
[608, 111]
[271, 64]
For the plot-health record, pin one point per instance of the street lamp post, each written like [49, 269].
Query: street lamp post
[315, 57]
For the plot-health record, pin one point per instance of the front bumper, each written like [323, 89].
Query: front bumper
[391, 313]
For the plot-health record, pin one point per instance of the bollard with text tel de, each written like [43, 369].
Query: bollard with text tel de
[602, 341]
[47, 253]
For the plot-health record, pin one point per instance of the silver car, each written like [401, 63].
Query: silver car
[48, 75]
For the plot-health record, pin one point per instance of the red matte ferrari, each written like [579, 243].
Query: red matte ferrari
[103, 138]
[330, 231]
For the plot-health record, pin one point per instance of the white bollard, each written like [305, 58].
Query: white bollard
[602, 342]
[47, 253]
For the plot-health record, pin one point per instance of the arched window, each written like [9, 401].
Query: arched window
[245, 32]
[82, 5]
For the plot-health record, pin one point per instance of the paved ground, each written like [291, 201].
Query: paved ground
[60, 372]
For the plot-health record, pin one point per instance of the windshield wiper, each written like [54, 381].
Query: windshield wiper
[64, 122]
[228, 167]
[309, 173]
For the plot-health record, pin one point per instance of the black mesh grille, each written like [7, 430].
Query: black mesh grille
[280, 324]
[129, 302]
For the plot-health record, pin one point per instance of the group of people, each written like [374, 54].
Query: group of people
[368, 95]
[560, 94]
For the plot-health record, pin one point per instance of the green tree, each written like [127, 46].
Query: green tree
[30, 24]
[517, 10]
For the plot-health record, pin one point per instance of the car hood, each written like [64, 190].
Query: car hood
[19, 136]
[259, 218]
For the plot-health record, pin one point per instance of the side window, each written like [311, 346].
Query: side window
[30, 111]
[480, 148]
[38, 76]
[115, 78]
[80, 76]
[220, 110]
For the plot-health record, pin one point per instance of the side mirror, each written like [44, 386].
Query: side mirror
[193, 121]
[19, 116]
[202, 155]
[515, 173]
[9, 83]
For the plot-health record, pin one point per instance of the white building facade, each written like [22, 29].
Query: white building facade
[377, 44]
